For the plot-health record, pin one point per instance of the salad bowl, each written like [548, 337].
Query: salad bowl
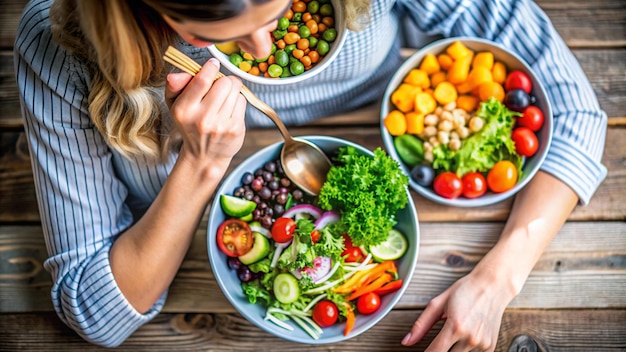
[231, 285]
[528, 165]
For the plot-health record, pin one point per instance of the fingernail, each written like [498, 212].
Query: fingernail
[215, 62]
[406, 339]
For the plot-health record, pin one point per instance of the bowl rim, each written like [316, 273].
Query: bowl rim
[253, 318]
[491, 198]
[342, 34]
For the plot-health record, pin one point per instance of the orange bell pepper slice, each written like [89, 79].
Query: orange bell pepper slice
[389, 287]
[374, 285]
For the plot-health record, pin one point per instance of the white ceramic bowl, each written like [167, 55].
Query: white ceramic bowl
[513, 62]
[335, 47]
[231, 286]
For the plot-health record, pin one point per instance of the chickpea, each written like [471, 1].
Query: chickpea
[443, 137]
[428, 147]
[431, 120]
[428, 156]
[455, 144]
[430, 131]
[463, 132]
[447, 116]
[445, 126]
[476, 123]
[438, 110]
[454, 135]
[433, 141]
[450, 106]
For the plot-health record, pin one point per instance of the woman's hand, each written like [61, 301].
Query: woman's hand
[209, 114]
[472, 309]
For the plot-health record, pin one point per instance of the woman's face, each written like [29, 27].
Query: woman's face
[250, 29]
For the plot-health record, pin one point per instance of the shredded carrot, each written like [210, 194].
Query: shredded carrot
[350, 319]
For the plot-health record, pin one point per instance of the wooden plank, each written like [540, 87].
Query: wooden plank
[580, 22]
[584, 267]
[606, 70]
[521, 330]
[18, 201]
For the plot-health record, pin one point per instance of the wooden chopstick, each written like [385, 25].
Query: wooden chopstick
[180, 60]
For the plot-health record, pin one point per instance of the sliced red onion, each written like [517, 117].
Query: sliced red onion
[321, 267]
[279, 249]
[302, 209]
[262, 230]
[328, 217]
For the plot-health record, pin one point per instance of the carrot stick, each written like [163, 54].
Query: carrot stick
[374, 285]
[350, 318]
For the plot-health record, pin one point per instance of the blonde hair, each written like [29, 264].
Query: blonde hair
[122, 46]
[122, 49]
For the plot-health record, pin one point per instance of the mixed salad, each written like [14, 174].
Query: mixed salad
[463, 124]
[317, 261]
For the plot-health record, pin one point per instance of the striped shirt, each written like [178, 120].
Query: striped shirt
[88, 194]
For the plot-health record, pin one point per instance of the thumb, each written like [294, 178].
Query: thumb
[176, 82]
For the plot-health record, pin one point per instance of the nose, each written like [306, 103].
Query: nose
[259, 42]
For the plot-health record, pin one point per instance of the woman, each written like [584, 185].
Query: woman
[126, 157]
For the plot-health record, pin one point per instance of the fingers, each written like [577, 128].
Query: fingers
[176, 82]
[431, 315]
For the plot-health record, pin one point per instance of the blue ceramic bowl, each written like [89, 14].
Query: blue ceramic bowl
[512, 62]
[231, 286]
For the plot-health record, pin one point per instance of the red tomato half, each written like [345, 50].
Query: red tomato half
[234, 237]
[474, 185]
[283, 229]
[325, 313]
[518, 80]
[448, 185]
[526, 142]
[368, 303]
[502, 177]
[532, 118]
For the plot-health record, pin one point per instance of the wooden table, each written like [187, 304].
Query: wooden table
[574, 300]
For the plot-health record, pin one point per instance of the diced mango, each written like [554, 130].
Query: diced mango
[395, 122]
[418, 78]
[430, 64]
[414, 123]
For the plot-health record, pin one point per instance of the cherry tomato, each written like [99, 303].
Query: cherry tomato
[518, 80]
[502, 177]
[315, 236]
[526, 142]
[448, 185]
[283, 229]
[532, 118]
[351, 253]
[368, 303]
[325, 313]
[474, 185]
[234, 237]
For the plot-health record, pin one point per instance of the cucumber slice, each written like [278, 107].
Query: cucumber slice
[260, 249]
[286, 288]
[235, 206]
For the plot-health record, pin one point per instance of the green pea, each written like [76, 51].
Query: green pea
[279, 33]
[322, 47]
[292, 60]
[235, 59]
[274, 70]
[410, 149]
[289, 48]
[283, 23]
[330, 34]
[312, 42]
[297, 17]
[313, 7]
[274, 47]
[304, 32]
[285, 74]
[281, 58]
[296, 68]
[326, 10]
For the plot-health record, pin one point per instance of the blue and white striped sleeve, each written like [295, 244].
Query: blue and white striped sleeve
[579, 122]
[81, 202]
